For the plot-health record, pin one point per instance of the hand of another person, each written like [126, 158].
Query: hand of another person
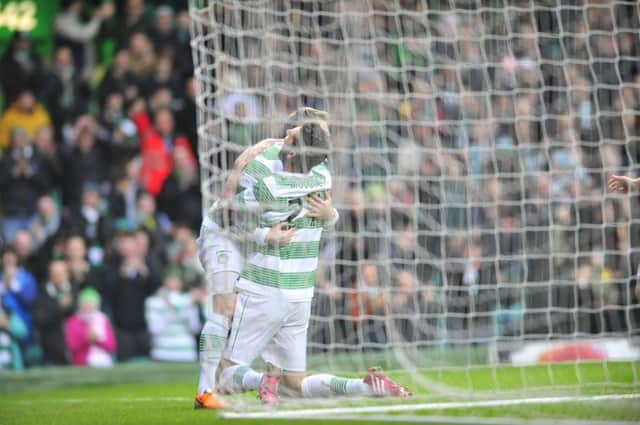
[66, 301]
[8, 274]
[4, 320]
[92, 336]
[279, 234]
[320, 208]
[622, 184]
[105, 11]
[136, 107]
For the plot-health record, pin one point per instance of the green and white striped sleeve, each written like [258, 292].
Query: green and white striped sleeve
[263, 165]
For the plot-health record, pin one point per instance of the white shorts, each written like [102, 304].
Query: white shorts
[219, 254]
[272, 327]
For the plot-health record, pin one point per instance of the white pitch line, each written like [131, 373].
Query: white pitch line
[120, 399]
[466, 420]
[292, 414]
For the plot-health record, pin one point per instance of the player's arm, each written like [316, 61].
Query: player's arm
[257, 199]
[623, 184]
[248, 155]
[274, 192]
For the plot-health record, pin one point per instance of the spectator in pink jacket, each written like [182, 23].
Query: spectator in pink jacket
[89, 334]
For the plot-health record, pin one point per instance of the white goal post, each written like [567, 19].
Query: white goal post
[471, 145]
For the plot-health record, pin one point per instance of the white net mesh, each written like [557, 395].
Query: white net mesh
[472, 141]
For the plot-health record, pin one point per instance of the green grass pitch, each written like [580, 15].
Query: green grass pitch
[152, 393]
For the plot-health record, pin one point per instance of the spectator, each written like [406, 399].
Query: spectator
[46, 146]
[180, 197]
[45, 224]
[20, 68]
[87, 161]
[183, 253]
[156, 157]
[405, 304]
[122, 202]
[128, 283]
[173, 321]
[119, 79]
[71, 32]
[28, 258]
[25, 113]
[90, 221]
[142, 57]
[164, 77]
[65, 91]
[18, 282]
[156, 225]
[88, 333]
[23, 179]
[185, 119]
[13, 329]
[163, 34]
[134, 19]
[117, 131]
[182, 59]
[153, 254]
[55, 303]
[81, 273]
[368, 305]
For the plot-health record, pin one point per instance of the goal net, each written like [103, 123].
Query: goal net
[471, 145]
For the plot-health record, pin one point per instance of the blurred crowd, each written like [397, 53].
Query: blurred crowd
[100, 190]
[470, 151]
[472, 142]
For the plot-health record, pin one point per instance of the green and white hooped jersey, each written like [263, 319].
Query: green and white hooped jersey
[289, 269]
[263, 165]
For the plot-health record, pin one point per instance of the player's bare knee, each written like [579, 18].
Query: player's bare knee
[224, 304]
[293, 381]
[273, 370]
[224, 363]
[229, 301]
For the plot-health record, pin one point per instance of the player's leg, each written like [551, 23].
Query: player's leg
[215, 331]
[238, 378]
[255, 320]
[288, 352]
[222, 262]
[325, 385]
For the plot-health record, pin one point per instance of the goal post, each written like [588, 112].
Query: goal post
[471, 146]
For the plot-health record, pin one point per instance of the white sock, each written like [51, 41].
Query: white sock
[325, 385]
[213, 338]
[239, 378]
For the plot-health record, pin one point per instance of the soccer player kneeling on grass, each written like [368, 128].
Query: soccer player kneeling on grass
[275, 288]
[221, 241]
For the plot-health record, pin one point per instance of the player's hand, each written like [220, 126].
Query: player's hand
[279, 235]
[622, 184]
[317, 207]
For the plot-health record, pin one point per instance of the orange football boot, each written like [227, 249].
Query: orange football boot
[209, 400]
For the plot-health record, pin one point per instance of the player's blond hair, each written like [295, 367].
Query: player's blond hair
[306, 114]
